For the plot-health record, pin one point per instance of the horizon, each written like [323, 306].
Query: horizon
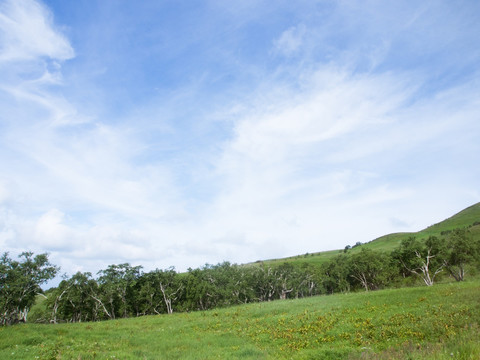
[176, 134]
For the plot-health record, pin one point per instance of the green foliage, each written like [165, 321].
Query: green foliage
[124, 291]
[118, 287]
[158, 292]
[74, 299]
[371, 269]
[461, 249]
[334, 275]
[424, 259]
[19, 284]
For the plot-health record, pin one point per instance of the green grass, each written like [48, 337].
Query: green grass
[312, 259]
[409, 323]
[465, 217]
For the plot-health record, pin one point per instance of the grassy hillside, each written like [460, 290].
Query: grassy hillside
[465, 218]
[439, 322]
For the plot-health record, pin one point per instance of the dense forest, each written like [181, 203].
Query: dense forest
[125, 291]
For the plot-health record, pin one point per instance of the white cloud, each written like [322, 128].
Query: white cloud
[27, 33]
[50, 231]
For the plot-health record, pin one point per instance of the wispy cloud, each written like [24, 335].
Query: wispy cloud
[317, 162]
[28, 33]
[234, 138]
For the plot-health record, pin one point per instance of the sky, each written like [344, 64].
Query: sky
[180, 133]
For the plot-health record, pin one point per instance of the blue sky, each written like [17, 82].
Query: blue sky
[179, 133]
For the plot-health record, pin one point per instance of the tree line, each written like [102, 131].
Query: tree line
[122, 290]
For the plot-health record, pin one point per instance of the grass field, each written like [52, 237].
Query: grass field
[439, 322]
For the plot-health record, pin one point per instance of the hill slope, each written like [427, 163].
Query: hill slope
[467, 218]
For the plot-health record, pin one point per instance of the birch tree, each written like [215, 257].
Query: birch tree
[170, 287]
[425, 260]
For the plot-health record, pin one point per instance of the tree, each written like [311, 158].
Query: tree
[170, 286]
[461, 250]
[265, 283]
[74, 300]
[158, 291]
[200, 289]
[148, 298]
[286, 280]
[334, 275]
[370, 269]
[306, 284]
[241, 284]
[422, 259]
[20, 282]
[117, 285]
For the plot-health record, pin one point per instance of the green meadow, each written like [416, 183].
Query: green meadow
[437, 322]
